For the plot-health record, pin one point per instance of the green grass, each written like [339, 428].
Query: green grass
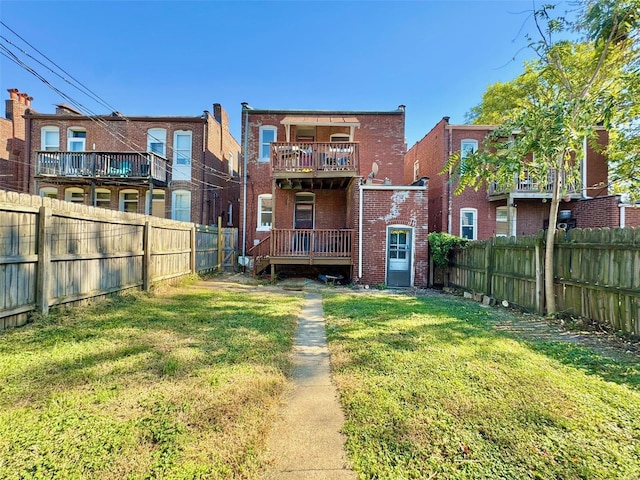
[431, 390]
[183, 385]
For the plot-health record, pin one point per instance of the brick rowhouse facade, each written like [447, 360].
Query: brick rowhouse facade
[530, 210]
[379, 140]
[13, 159]
[211, 181]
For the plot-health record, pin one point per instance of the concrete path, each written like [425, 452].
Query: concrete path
[306, 442]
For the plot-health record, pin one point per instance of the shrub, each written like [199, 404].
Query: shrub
[440, 246]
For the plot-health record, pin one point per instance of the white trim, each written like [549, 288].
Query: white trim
[623, 219]
[259, 226]
[48, 192]
[71, 139]
[475, 221]
[331, 139]
[584, 168]
[69, 197]
[160, 136]
[266, 128]
[174, 195]
[48, 129]
[122, 203]
[468, 141]
[102, 190]
[182, 171]
[386, 251]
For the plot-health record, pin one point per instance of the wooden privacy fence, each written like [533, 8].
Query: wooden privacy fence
[54, 252]
[596, 271]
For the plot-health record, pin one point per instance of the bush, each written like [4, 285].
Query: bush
[440, 246]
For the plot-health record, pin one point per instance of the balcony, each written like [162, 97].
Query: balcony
[303, 247]
[106, 167]
[313, 160]
[526, 187]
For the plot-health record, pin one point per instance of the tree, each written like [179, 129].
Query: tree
[548, 111]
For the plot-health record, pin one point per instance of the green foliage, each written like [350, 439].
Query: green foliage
[441, 245]
[431, 390]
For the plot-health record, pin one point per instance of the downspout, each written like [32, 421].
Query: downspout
[245, 108]
[360, 206]
[584, 168]
[205, 145]
[449, 190]
[622, 215]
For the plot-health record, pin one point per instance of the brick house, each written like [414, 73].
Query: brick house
[522, 211]
[13, 165]
[184, 168]
[325, 194]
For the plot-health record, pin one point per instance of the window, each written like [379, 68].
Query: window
[76, 139]
[157, 141]
[303, 210]
[503, 227]
[265, 212]
[339, 137]
[268, 134]
[467, 147]
[416, 170]
[182, 155]
[181, 202]
[469, 223]
[230, 214]
[103, 198]
[157, 203]
[74, 195]
[49, 192]
[50, 139]
[231, 165]
[129, 201]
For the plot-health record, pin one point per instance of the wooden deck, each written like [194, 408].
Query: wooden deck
[314, 159]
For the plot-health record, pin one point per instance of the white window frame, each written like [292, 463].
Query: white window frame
[504, 209]
[474, 225]
[230, 214]
[339, 137]
[81, 140]
[262, 144]
[182, 214]
[124, 201]
[49, 192]
[74, 195]
[264, 227]
[182, 158]
[102, 203]
[155, 200]
[464, 153]
[157, 136]
[416, 170]
[231, 166]
[50, 147]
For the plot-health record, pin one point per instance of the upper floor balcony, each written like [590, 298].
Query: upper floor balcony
[290, 160]
[526, 187]
[126, 167]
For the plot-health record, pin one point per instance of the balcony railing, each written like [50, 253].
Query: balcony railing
[311, 243]
[527, 186]
[307, 157]
[102, 164]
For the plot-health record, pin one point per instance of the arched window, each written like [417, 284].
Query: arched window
[49, 192]
[129, 200]
[181, 205]
[74, 195]
[157, 141]
[268, 134]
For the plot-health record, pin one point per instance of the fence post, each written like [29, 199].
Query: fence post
[146, 258]
[540, 300]
[488, 266]
[44, 259]
[220, 244]
[193, 248]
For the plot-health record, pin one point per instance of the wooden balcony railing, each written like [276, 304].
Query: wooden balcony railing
[311, 243]
[102, 164]
[306, 157]
[526, 185]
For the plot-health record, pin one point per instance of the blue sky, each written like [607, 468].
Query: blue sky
[178, 58]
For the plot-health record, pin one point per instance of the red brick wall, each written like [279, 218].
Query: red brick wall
[13, 164]
[596, 212]
[597, 166]
[632, 216]
[381, 209]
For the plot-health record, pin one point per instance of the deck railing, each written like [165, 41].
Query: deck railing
[527, 185]
[314, 156]
[311, 243]
[102, 164]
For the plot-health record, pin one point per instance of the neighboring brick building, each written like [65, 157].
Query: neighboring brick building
[185, 168]
[13, 165]
[485, 213]
[313, 201]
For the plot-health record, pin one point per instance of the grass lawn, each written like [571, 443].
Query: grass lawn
[430, 390]
[182, 385]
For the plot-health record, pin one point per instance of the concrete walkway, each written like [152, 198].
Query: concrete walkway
[306, 442]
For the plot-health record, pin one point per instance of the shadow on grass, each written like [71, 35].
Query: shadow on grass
[455, 322]
[121, 339]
